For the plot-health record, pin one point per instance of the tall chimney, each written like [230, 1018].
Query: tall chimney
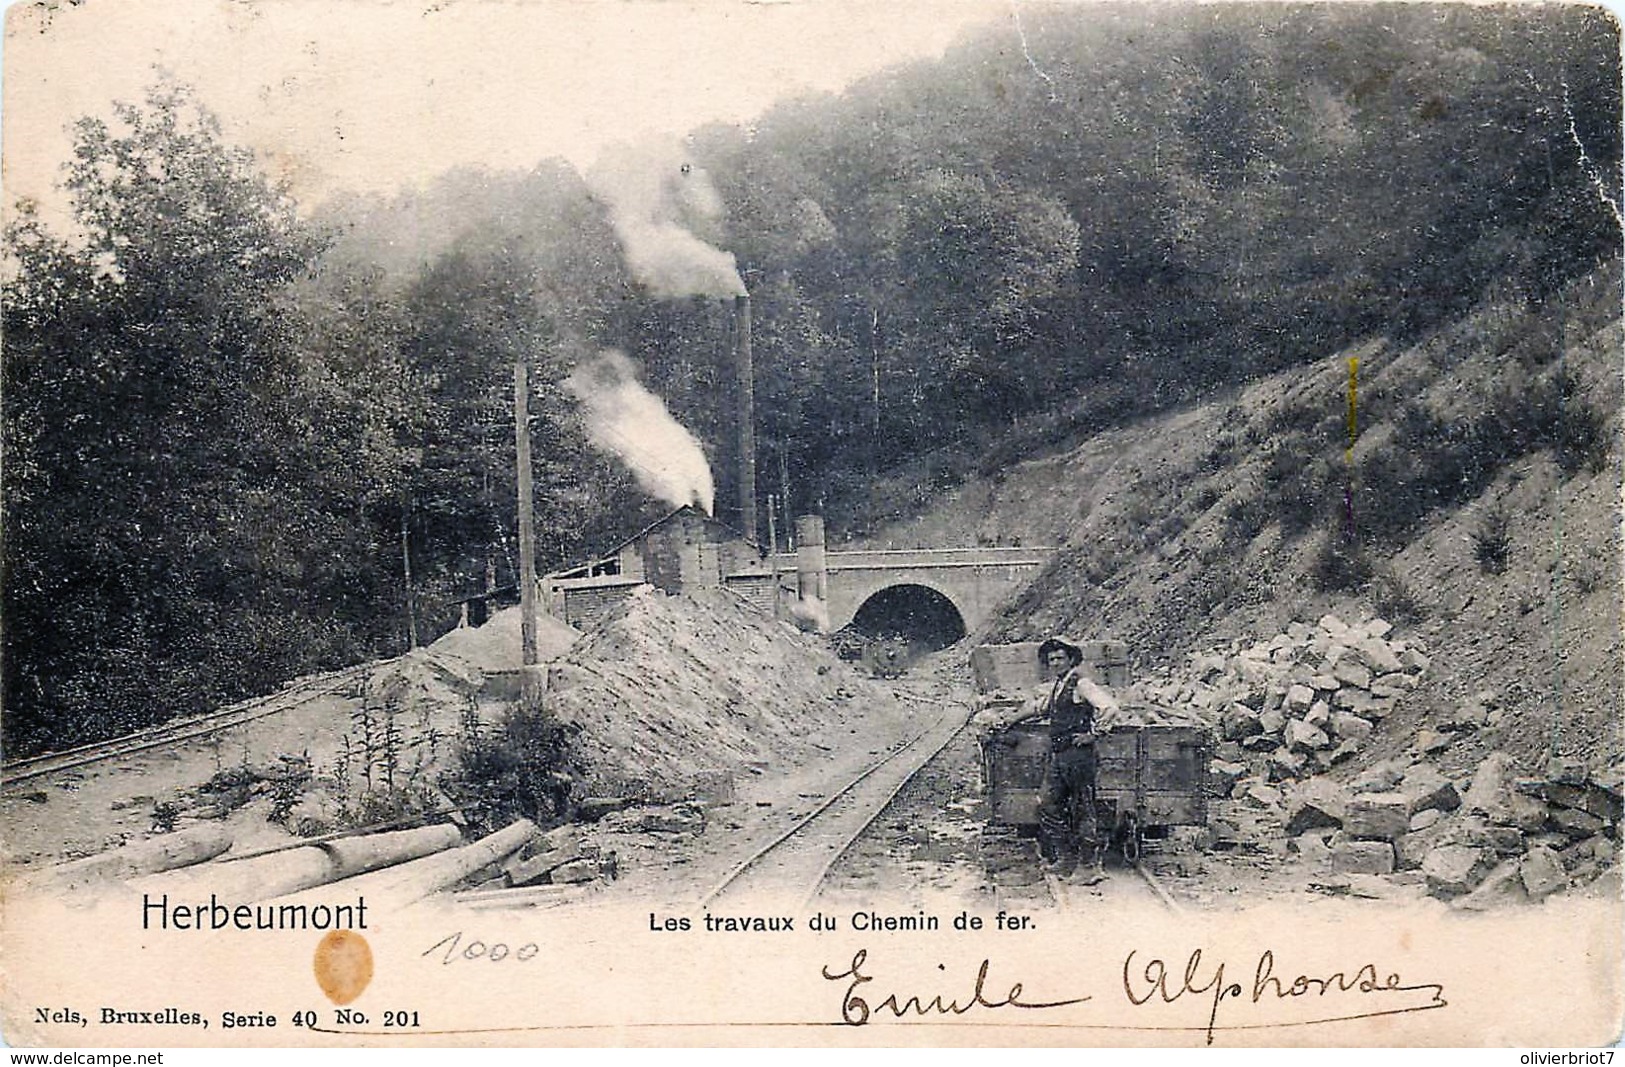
[812, 567]
[747, 418]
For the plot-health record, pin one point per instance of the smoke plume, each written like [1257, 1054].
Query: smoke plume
[657, 200]
[631, 423]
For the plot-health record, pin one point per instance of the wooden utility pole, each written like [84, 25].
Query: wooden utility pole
[527, 532]
[406, 574]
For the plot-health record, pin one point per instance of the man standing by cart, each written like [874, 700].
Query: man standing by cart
[1079, 711]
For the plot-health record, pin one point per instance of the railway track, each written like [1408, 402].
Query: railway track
[303, 692]
[794, 864]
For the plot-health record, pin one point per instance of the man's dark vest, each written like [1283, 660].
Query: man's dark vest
[1068, 714]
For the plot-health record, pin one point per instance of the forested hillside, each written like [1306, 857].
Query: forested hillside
[246, 438]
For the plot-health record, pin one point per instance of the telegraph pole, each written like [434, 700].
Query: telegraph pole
[527, 532]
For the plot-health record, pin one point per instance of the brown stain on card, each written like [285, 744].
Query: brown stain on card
[343, 965]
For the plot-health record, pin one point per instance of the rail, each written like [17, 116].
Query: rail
[819, 858]
[300, 693]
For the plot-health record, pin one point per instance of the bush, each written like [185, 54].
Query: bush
[1492, 542]
[1340, 565]
[1393, 599]
[520, 769]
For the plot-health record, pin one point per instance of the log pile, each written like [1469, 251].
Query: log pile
[289, 870]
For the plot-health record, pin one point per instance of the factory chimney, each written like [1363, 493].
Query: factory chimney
[747, 417]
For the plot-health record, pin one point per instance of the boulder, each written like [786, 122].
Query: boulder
[1262, 743]
[1262, 795]
[1319, 715]
[1425, 787]
[1611, 778]
[1542, 873]
[1415, 660]
[591, 809]
[1575, 823]
[1501, 887]
[575, 872]
[1377, 816]
[1455, 870]
[1317, 803]
[1345, 749]
[1500, 839]
[1302, 737]
[1361, 702]
[1224, 775]
[1566, 770]
[1311, 846]
[1286, 765]
[1352, 672]
[1346, 724]
[1239, 721]
[1332, 625]
[1466, 717]
[1272, 721]
[1550, 839]
[1298, 698]
[1375, 654]
[671, 821]
[1431, 742]
[1362, 857]
[1414, 847]
[1493, 793]
[1380, 777]
[1425, 818]
[1326, 683]
[1587, 797]
[1392, 685]
[1377, 628]
[1526, 813]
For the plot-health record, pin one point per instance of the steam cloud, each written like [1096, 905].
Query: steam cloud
[627, 421]
[657, 200]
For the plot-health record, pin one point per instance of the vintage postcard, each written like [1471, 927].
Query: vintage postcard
[800, 523]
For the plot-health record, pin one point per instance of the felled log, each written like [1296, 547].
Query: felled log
[528, 897]
[162, 853]
[278, 873]
[407, 882]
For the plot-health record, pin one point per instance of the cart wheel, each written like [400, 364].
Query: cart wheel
[1131, 839]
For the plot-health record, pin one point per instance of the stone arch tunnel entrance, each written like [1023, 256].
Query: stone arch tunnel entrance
[903, 622]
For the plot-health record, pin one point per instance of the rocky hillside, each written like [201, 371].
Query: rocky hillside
[1477, 512]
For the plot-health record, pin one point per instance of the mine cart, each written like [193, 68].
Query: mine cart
[1148, 780]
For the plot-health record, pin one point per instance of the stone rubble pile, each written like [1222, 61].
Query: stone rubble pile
[1497, 837]
[1297, 704]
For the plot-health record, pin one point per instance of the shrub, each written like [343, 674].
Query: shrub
[1393, 599]
[521, 768]
[1492, 542]
[1340, 565]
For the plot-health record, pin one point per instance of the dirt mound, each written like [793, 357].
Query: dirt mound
[495, 646]
[669, 688]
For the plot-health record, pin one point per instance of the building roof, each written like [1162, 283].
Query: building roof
[688, 509]
[647, 530]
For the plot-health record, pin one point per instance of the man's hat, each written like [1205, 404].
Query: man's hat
[1071, 648]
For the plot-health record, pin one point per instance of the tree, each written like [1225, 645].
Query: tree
[153, 540]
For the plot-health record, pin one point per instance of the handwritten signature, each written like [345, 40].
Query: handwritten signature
[1155, 981]
[856, 1008]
